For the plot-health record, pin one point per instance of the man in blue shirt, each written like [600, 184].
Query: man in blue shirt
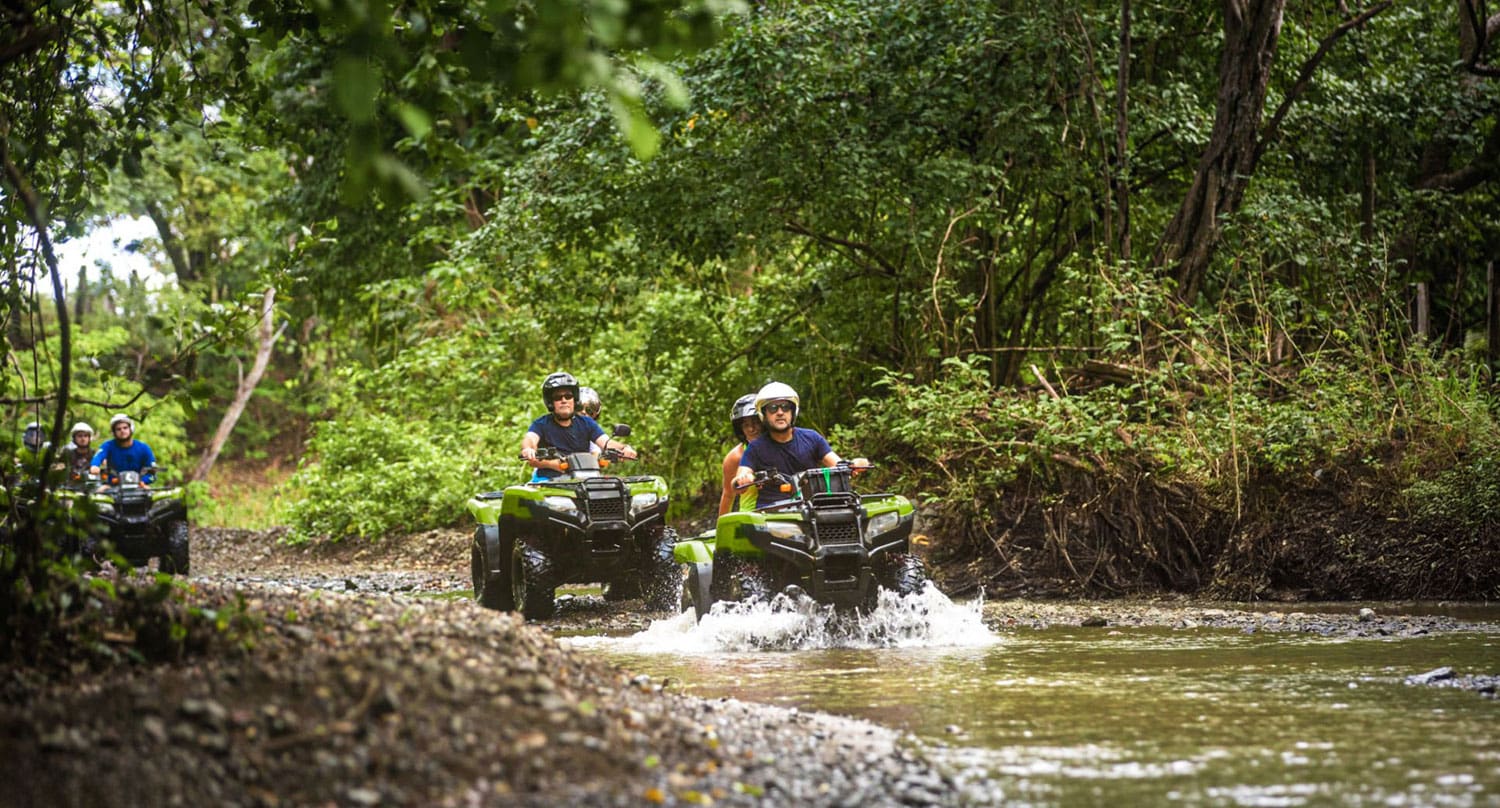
[782, 446]
[124, 452]
[562, 428]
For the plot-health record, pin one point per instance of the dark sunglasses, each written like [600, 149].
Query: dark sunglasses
[562, 397]
[780, 406]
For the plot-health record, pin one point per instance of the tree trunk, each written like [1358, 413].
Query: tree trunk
[1122, 134]
[247, 386]
[1251, 29]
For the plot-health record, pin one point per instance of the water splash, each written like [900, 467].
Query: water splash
[798, 623]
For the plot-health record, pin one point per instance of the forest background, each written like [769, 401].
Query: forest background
[1131, 297]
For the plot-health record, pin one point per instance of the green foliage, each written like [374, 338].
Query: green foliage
[381, 474]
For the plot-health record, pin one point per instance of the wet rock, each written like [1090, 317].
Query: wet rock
[1434, 675]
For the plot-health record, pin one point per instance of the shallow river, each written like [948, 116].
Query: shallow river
[1131, 716]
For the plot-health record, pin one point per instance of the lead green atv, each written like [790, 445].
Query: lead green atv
[583, 527]
[837, 546]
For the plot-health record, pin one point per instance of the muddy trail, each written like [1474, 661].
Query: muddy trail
[357, 675]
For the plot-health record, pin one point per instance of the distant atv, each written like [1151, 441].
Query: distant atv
[838, 546]
[582, 527]
[137, 521]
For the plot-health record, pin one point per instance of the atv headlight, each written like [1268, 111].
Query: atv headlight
[563, 505]
[104, 507]
[881, 524]
[785, 530]
[640, 503]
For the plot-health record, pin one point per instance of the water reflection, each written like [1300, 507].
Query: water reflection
[1065, 716]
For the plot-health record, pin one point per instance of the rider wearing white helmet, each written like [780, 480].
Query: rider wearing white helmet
[784, 447]
[589, 403]
[76, 456]
[124, 452]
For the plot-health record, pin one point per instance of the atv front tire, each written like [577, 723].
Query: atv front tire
[175, 559]
[904, 574]
[531, 582]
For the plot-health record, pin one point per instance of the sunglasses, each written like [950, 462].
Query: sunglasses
[563, 397]
[780, 406]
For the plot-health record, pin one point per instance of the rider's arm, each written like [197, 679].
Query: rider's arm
[603, 442]
[833, 459]
[528, 452]
[731, 469]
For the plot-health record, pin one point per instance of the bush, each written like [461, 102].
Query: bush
[374, 475]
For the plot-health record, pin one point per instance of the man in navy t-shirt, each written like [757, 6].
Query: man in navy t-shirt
[783, 447]
[562, 428]
[123, 452]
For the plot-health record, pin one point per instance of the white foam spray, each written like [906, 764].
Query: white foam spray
[927, 619]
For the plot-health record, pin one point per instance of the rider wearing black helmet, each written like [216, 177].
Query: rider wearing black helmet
[746, 425]
[563, 427]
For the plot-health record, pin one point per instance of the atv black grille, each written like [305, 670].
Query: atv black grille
[606, 509]
[837, 533]
[606, 500]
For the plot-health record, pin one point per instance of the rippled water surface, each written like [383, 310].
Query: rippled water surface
[1138, 716]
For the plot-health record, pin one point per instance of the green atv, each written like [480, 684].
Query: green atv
[137, 521]
[837, 546]
[585, 526]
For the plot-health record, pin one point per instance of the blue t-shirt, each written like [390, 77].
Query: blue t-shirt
[119, 458]
[805, 450]
[578, 436]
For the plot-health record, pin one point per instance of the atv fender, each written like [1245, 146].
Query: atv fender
[697, 550]
[490, 535]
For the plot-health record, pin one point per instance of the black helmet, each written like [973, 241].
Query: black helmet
[558, 381]
[744, 407]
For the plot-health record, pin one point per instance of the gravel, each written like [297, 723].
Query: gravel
[362, 681]
[354, 691]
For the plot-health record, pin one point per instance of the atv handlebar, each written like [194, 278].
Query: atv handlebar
[787, 482]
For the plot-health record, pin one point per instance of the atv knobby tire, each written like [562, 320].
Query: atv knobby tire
[176, 560]
[531, 582]
[903, 573]
[661, 575]
[491, 589]
[741, 580]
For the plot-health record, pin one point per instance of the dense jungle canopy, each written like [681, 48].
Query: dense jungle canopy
[1131, 295]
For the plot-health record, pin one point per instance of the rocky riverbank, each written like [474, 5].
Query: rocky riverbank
[352, 675]
[341, 688]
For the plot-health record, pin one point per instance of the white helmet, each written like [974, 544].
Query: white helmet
[776, 391]
[119, 418]
[81, 426]
[588, 402]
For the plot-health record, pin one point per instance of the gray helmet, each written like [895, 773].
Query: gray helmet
[32, 438]
[589, 403]
[744, 407]
[555, 382]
